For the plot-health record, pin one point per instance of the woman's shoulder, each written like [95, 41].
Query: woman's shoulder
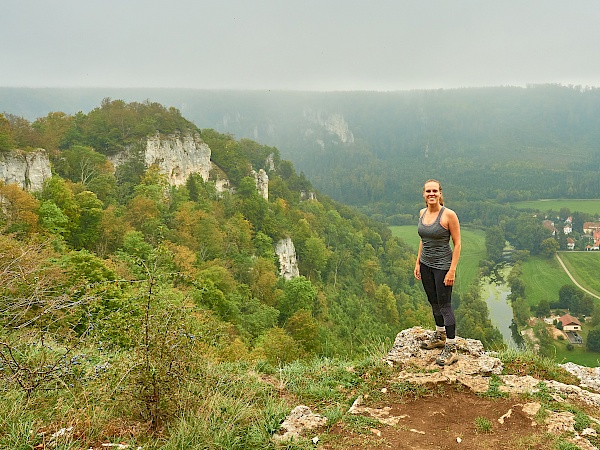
[422, 212]
[450, 212]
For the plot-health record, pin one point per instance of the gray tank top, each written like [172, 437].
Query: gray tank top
[436, 252]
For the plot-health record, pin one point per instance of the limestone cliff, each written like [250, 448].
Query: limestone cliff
[27, 169]
[262, 183]
[288, 265]
[334, 124]
[177, 156]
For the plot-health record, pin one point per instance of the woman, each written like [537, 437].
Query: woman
[436, 268]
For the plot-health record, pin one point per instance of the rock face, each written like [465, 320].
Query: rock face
[472, 360]
[262, 183]
[27, 169]
[179, 156]
[288, 265]
[176, 156]
[333, 124]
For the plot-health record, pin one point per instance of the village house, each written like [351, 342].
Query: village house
[549, 225]
[590, 227]
[570, 244]
[567, 229]
[570, 323]
[594, 246]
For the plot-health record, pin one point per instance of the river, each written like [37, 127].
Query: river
[495, 291]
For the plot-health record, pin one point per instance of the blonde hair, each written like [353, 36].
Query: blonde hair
[440, 188]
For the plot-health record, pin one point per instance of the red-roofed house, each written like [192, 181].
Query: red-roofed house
[595, 246]
[590, 227]
[570, 244]
[570, 323]
[549, 225]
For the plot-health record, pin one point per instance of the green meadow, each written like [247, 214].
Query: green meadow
[584, 266]
[589, 206]
[473, 250]
[543, 279]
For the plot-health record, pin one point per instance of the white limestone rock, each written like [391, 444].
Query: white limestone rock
[176, 156]
[29, 170]
[288, 265]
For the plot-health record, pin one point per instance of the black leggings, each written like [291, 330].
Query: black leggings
[440, 297]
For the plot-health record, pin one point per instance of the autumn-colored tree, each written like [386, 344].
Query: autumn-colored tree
[112, 230]
[23, 135]
[6, 140]
[18, 209]
[263, 281]
[303, 327]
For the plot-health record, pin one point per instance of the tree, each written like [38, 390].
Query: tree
[548, 247]
[386, 305]
[81, 164]
[543, 309]
[298, 293]
[303, 327]
[569, 298]
[494, 243]
[88, 227]
[593, 340]
[6, 140]
[52, 218]
[17, 208]
[313, 256]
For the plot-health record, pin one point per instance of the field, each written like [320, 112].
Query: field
[543, 278]
[579, 355]
[589, 206]
[473, 250]
[585, 268]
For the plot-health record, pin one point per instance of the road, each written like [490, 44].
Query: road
[573, 279]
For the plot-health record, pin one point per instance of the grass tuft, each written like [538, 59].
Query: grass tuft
[483, 425]
[526, 362]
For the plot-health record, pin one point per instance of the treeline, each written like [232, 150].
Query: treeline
[498, 143]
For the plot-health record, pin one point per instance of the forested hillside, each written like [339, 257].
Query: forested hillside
[97, 252]
[373, 149]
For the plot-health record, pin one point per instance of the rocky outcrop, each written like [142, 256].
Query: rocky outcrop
[288, 265]
[473, 360]
[307, 195]
[27, 169]
[300, 419]
[179, 156]
[589, 376]
[480, 372]
[473, 370]
[333, 124]
[176, 156]
[261, 179]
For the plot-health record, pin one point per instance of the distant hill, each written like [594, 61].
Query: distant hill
[374, 149]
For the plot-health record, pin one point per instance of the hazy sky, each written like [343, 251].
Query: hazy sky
[300, 45]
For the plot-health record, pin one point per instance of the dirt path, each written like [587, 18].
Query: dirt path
[451, 419]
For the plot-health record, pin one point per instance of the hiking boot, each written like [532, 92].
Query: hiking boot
[437, 340]
[448, 355]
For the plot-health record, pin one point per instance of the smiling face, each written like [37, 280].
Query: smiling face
[432, 193]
